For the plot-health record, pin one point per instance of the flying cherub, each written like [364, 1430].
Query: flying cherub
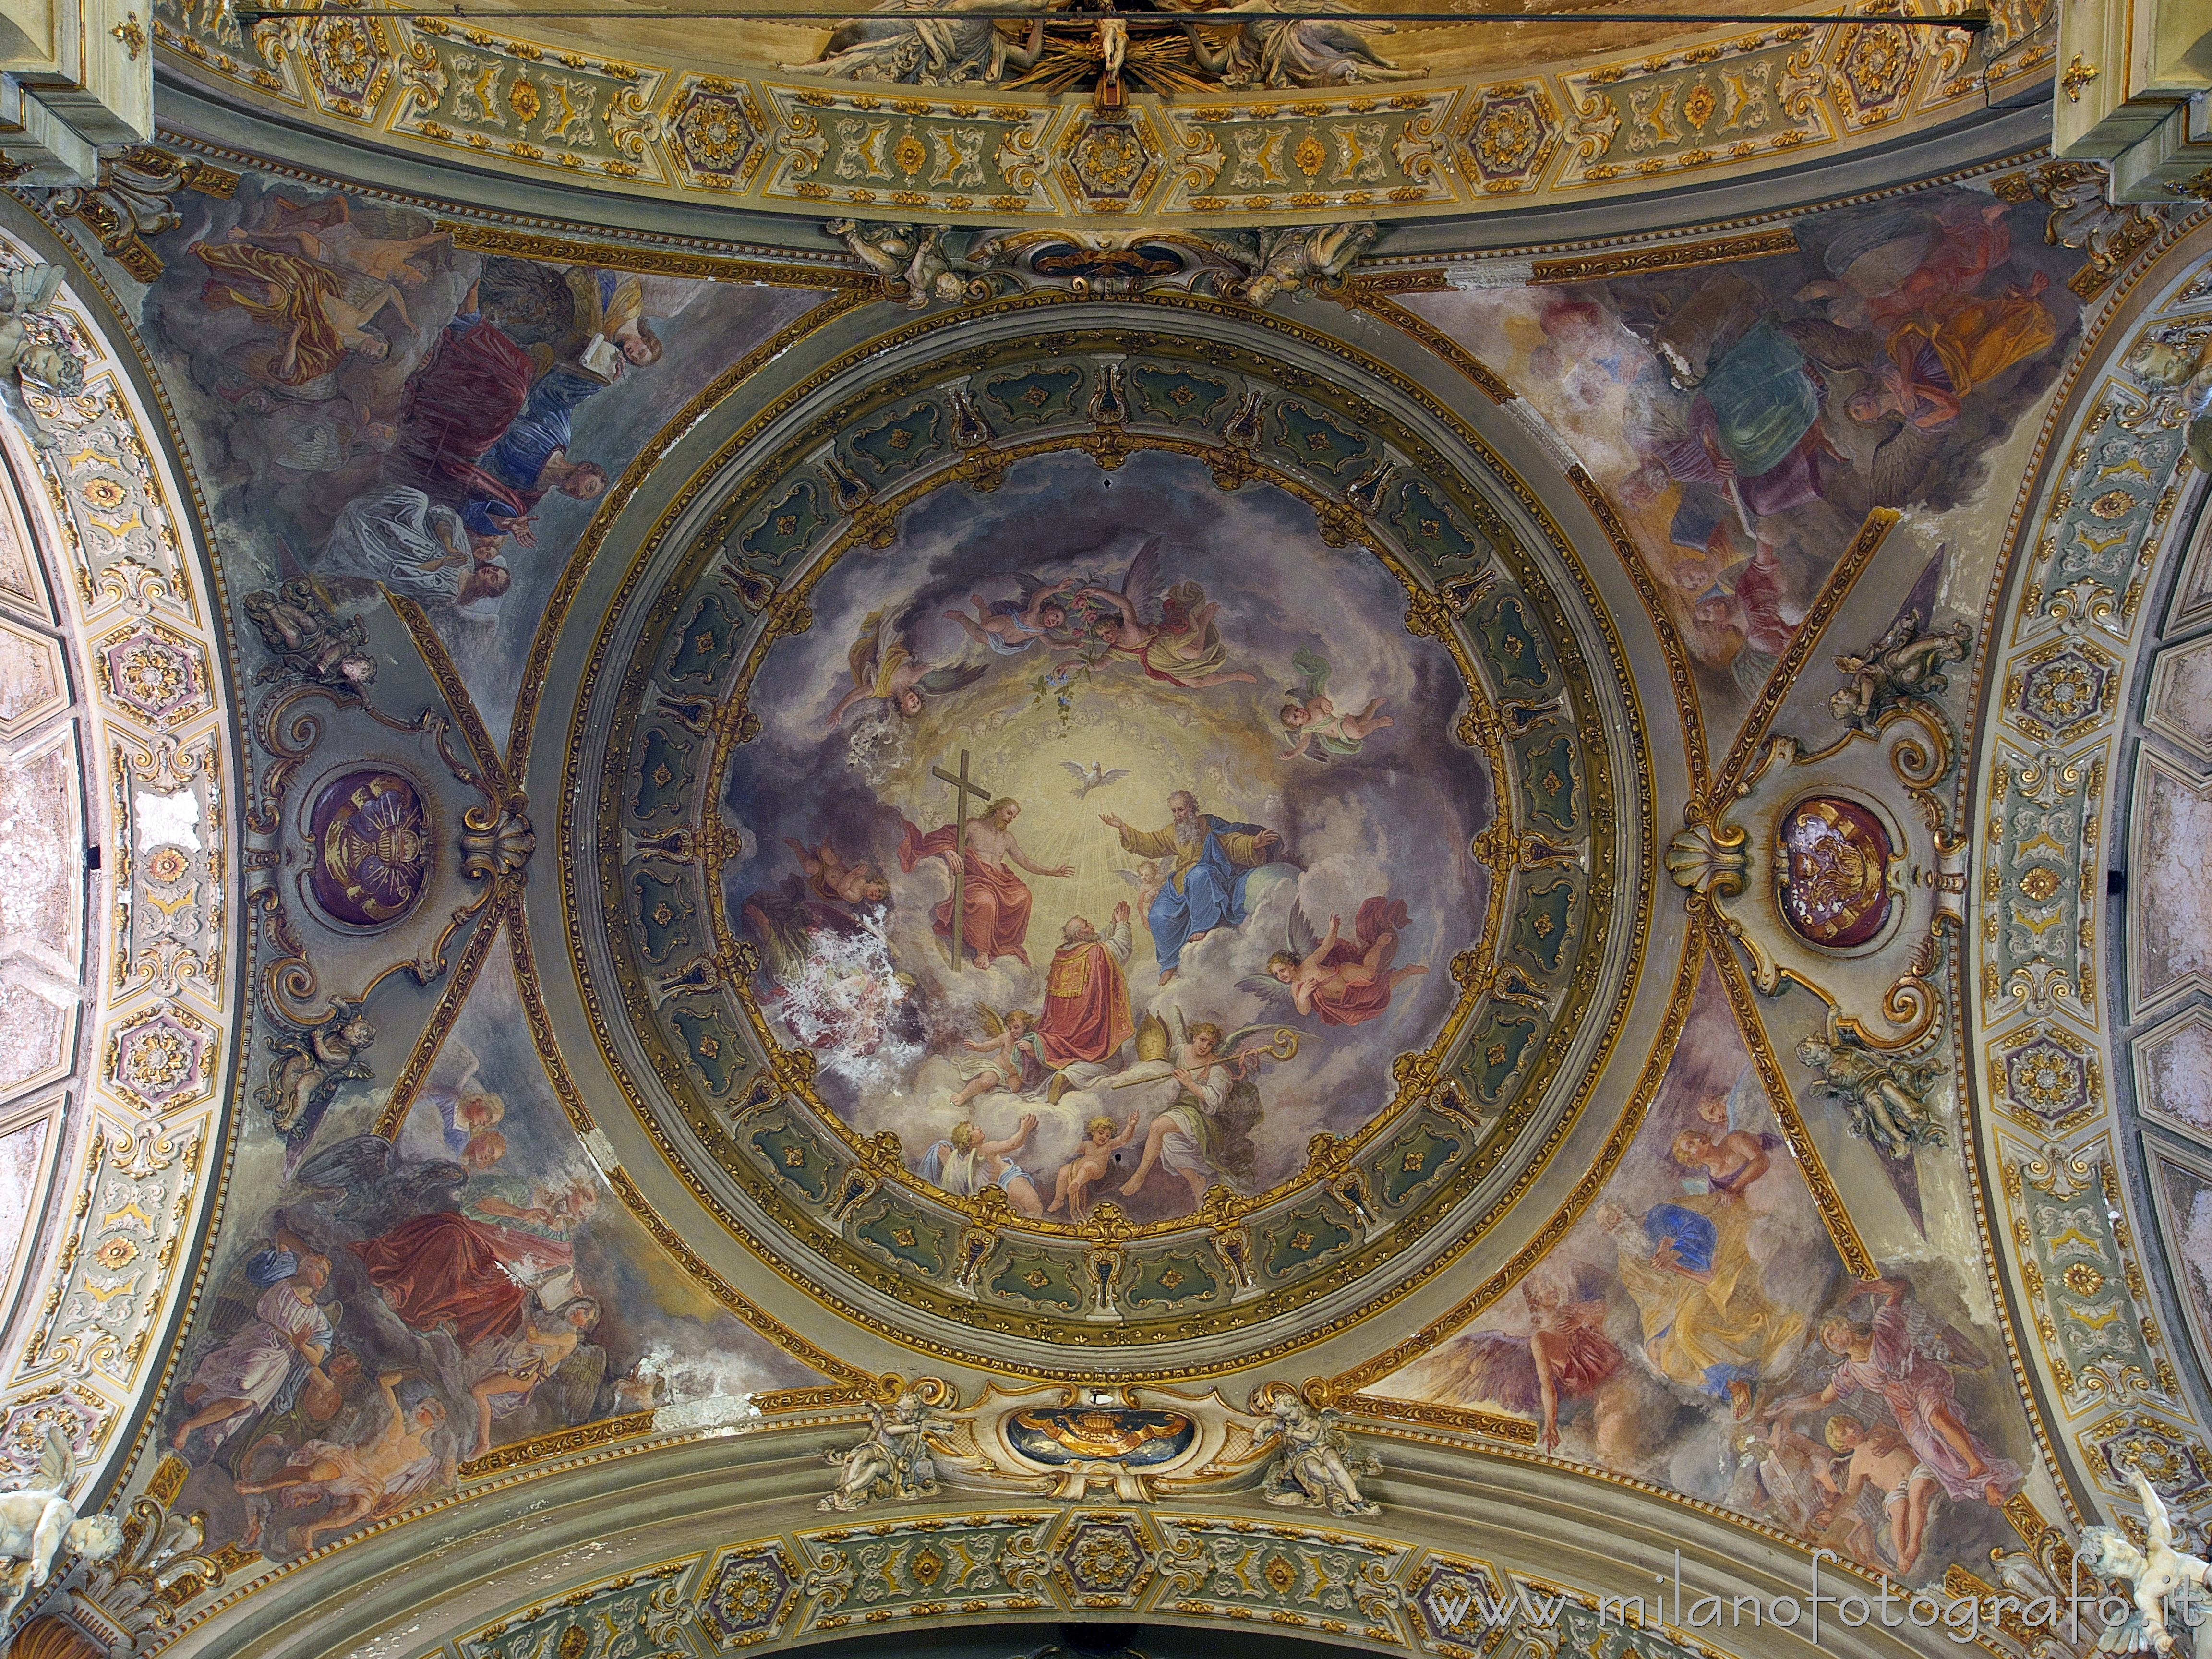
[885, 670]
[1011, 626]
[1343, 980]
[860, 882]
[1310, 716]
[1148, 880]
[1014, 1056]
[1092, 1163]
[1093, 776]
[1184, 646]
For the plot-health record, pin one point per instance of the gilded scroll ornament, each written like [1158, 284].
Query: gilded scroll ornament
[132, 204]
[1136, 1445]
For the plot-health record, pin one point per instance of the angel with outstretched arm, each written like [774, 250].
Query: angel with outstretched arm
[1345, 981]
[1309, 715]
[1010, 626]
[1016, 1055]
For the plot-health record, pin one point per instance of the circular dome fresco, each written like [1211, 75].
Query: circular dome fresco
[1091, 839]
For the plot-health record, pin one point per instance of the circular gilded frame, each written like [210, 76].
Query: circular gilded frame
[741, 1133]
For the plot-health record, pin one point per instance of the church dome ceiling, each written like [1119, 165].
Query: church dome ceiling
[1174, 834]
[837, 904]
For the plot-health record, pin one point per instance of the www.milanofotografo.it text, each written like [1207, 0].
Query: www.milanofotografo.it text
[2084, 1606]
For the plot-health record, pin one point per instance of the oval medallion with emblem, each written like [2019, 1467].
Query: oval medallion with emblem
[1102, 1435]
[1833, 867]
[371, 846]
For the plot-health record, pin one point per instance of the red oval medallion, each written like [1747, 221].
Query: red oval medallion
[371, 848]
[1833, 862]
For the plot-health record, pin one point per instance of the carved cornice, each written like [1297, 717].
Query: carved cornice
[1727, 105]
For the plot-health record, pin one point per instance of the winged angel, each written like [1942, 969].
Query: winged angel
[1563, 1360]
[886, 671]
[1183, 645]
[36, 1520]
[931, 43]
[2155, 1572]
[1343, 980]
[1325, 47]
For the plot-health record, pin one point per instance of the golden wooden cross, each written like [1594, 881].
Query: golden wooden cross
[962, 788]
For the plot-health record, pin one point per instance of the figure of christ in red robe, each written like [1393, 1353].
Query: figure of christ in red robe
[1086, 998]
[466, 1269]
[994, 901]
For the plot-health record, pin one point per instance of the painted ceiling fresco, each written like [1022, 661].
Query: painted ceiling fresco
[1014, 933]
[1147, 716]
[1156, 707]
[1746, 416]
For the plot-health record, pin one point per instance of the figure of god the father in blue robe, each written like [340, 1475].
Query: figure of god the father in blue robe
[1210, 862]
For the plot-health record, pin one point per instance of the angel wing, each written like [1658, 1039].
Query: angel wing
[1303, 941]
[349, 1165]
[1902, 462]
[1142, 580]
[1499, 1368]
[1274, 993]
[1313, 671]
[993, 1022]
[951, 678]
[58, 1462]
[2155, 1509]
[1028, 587]
[1830, 344]
[465, 1058]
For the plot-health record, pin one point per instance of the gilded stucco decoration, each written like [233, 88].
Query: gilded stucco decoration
[2075, 1054]
[123, 1015]
[901, 117]
[745, 945]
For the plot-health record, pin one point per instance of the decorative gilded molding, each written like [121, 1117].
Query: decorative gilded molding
[649, 261]
[1665, 256]
[764, 1247]
[1729, 105]
[2067, 613]
[110, 513]
[131, 201]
